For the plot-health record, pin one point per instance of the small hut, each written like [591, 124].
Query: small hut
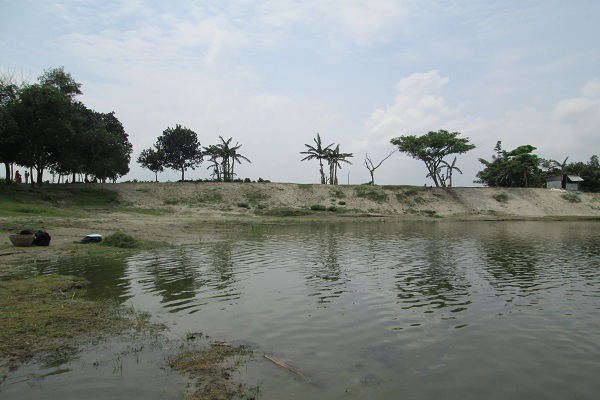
[567, 182]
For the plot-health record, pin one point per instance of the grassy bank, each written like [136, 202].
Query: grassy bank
[47, 315]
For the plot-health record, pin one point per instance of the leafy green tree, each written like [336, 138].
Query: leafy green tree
[44, 117]
[181, 149]
[61, 80]
[590, 172]
[432, 148]
[317, 152]
[152, 160]
[9, 95]
[516, 168]
[114, 150]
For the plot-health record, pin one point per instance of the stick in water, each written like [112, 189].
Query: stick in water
[285, 366]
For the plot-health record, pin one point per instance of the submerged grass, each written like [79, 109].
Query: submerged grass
[212, 367]
[48, 315]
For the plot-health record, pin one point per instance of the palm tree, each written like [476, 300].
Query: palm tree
[229, 156]
[213, 152]
[236, 157]
[334, 157]
[319, 153]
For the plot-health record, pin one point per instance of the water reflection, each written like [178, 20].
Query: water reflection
[326, 277]
[436, 279]
[108, 278]
[382, 303]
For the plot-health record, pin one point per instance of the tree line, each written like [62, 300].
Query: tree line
[179, 149]
[44, 128]
[439, 149]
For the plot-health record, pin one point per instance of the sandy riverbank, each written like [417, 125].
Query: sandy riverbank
[185, 213]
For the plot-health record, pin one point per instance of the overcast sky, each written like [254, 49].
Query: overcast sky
[273, 74]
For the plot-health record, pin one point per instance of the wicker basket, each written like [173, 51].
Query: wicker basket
[22, 240]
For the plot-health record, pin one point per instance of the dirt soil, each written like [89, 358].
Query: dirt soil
[186, 213]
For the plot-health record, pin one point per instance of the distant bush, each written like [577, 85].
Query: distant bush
[318, 207]
[371, 193]
[501, 198]
[572, 197]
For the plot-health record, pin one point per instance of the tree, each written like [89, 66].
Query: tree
[372, 167]
[44, 117]
[214, 152]
[590, 172]
[181, 149]
[229, 156]
[114, 150]
[516, 168]
[9, 95]
[318, 152]
[61, 80]
[431, 148]
[334, 157]
[153, 160]
[449, 170]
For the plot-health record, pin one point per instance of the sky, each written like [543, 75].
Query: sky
[272, 74]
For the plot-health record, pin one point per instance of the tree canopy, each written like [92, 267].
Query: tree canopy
[333, 156]
[180, 149]
[515, 168]
[432, 148]
[42, 126]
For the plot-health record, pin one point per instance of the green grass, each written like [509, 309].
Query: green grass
[121, 240]
[55, 201]
[572, 197]
[47, 314]
[372, 193]
[255, 196]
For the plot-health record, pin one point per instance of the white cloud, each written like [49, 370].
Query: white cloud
[418, 107]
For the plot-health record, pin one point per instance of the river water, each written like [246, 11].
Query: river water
[411, 310]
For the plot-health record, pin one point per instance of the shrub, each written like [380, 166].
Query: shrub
[371, 193]
[572, 197]
[121, 240]
[318, 207]
[501, 198]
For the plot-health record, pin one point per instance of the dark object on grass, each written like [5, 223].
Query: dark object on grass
[93, 238]
[42, 238]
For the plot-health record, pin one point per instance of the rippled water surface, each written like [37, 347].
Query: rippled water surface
[417, 310]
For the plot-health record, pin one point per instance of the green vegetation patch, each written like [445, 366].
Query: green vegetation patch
[501, 198]
[255, 196]
[47, 314]
[572, 197]
[411, 196]
[372, 193]
[121, 240]
[212, 368]
[55, 201]
[283, 212]
[318, 207]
